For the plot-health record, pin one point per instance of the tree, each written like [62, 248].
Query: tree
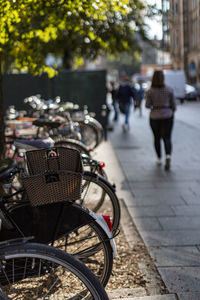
[31, 29]
[25, 27]
[125, 62]
[73, 29]
[99, 27]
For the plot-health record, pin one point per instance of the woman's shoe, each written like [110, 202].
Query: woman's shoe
[167, 163]
[125, 127]
[158, 162]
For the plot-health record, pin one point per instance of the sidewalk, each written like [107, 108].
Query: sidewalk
[165, 206]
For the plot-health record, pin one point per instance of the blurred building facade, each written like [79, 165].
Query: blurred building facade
[154, 57]
[165, 4]
[157, 54]
[185, 37]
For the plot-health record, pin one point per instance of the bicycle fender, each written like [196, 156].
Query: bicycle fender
[100, 220]
[41, 222]
[17, 241]
[97, 176]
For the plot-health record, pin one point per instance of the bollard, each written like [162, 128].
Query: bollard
[104, 115]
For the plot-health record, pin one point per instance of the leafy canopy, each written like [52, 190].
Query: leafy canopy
[30, 29]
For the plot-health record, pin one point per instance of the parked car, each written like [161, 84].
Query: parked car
[190, 92]
[176, 79]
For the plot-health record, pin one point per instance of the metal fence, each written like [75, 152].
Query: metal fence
[81, 87]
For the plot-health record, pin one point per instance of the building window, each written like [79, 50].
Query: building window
[194, 4]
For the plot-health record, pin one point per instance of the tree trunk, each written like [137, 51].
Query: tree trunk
[2, 125]
[67, 60]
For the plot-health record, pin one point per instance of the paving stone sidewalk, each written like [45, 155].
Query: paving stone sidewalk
[165, 206]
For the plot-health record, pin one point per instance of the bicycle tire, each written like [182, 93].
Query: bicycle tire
[98, 127]
[37, 269]
[106, 194]
[72, 144]
[89, 134]
[80, 235]
[93, 165]
[3, 296]
[97, 254]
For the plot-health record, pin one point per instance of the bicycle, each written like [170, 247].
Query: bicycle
[36, 271]
[72, 228]
[89, 129]
[99, 196]
[92, 182]
[3, 296]
[97, 193]
[44, 139]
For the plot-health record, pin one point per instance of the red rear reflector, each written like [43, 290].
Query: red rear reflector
[102, 164]
[108, 222]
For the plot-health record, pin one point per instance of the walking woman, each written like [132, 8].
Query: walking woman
[160, 99]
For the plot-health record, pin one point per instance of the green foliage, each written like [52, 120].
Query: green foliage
[105, 26]
[125, 62]
[73, 29]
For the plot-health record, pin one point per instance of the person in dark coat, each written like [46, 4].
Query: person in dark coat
[113, 92]
[138, 97]
[125, 95]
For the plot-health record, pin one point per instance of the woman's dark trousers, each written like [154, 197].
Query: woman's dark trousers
[162, 129]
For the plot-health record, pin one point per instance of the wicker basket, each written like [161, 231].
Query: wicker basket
[53, 159]
[54, 175]
[52, 187]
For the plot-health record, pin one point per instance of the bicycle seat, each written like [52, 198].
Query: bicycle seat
[8, 168]
[68, 128]
[50, 124]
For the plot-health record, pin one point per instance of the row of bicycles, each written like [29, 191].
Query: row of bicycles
[59, 213]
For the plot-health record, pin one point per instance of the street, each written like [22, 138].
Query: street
[165, 206]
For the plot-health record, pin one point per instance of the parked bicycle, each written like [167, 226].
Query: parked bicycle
[91, 131]
[97, 193]
[72, 227]
[36, 271]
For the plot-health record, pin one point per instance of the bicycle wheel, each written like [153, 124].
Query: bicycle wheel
[98, 127]
[89, 134]
[72, 144]
[91, 245]
[3, 296]
[99, 196]
[78, 233]
[93, 165]
[35, 271]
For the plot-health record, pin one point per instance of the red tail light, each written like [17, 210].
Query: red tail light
[108, 221]
[102, 164]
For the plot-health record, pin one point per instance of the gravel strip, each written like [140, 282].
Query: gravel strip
[133, 268]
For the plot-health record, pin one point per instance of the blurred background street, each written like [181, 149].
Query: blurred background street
[164, 205]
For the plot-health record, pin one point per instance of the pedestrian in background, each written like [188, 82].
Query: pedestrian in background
[113, 92]
[138, 97]
[125, 95]
[161, 100]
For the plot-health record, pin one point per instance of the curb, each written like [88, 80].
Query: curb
[155, 285]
